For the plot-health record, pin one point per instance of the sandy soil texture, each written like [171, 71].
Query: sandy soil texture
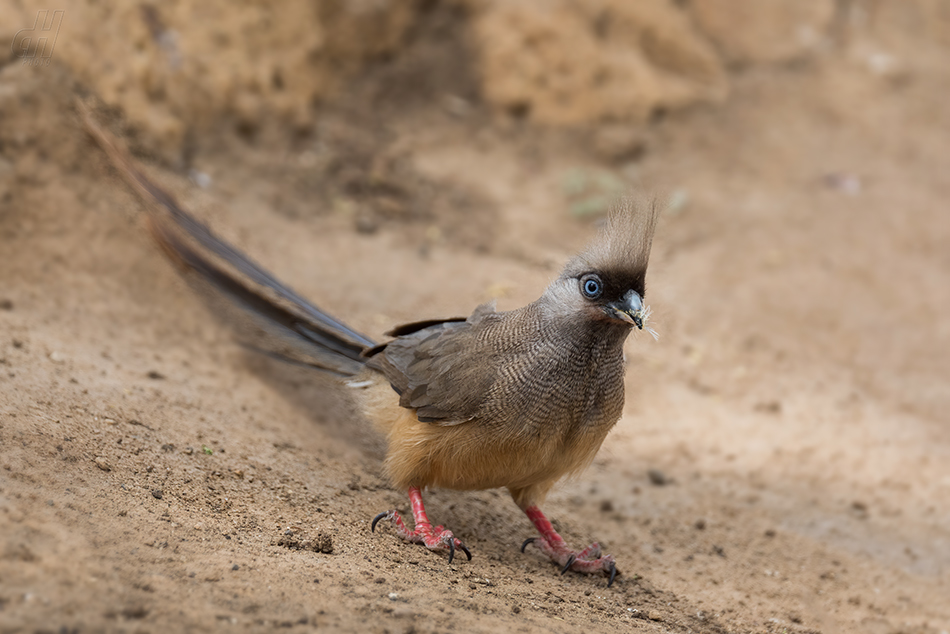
[783, 462]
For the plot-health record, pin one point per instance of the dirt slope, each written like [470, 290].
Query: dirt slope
[155, 477]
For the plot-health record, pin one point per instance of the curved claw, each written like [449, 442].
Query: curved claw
[372, 527]
[451, 549]
[570, 562]
[465, 550]
[530, 540]
[613, 574]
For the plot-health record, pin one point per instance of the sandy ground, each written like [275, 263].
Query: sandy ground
[781, 465]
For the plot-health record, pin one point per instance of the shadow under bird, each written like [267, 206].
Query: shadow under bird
[515, 399]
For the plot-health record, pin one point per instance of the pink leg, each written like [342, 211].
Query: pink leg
[423, 531]
[551, 544]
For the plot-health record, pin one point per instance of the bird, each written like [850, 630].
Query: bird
[516, 399]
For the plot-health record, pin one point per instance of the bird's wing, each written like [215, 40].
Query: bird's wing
[443, 370]
[408, 329]
[415, 326]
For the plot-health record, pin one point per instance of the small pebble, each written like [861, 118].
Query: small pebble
[366, 223]
[845, 183]
[677, 202]
[619, 143]
[157, 494]
[657, 477]
[200, 179]
[457, 106]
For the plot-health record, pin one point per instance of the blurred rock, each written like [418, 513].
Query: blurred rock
[174, 69]
[599, 60]
[171, 67]
[755, 32]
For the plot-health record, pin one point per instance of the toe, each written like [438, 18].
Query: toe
[570, 562]
[443, 539]
[587, 561]
[591, 552]
[381, 516]
[605, 564]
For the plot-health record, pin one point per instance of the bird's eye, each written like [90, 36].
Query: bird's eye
[591, 286]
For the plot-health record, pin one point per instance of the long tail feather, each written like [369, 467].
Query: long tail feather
[268, 315]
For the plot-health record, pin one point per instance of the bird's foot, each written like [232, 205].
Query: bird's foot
[433, 538]
[587, 561]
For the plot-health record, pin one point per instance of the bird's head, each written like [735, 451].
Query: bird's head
[615, 299]
[608, 280]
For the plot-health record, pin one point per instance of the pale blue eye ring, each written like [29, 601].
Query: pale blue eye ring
[591, 286]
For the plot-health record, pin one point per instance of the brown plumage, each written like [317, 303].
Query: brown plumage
[513, 399]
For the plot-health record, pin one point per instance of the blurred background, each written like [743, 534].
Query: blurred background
[783, 463]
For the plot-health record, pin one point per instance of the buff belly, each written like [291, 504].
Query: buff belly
[471, 456]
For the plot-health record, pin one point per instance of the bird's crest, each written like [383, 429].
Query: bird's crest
[623, 247]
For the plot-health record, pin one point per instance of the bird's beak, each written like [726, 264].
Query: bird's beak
[629, 309]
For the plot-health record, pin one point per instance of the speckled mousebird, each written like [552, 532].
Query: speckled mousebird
[514, 399]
